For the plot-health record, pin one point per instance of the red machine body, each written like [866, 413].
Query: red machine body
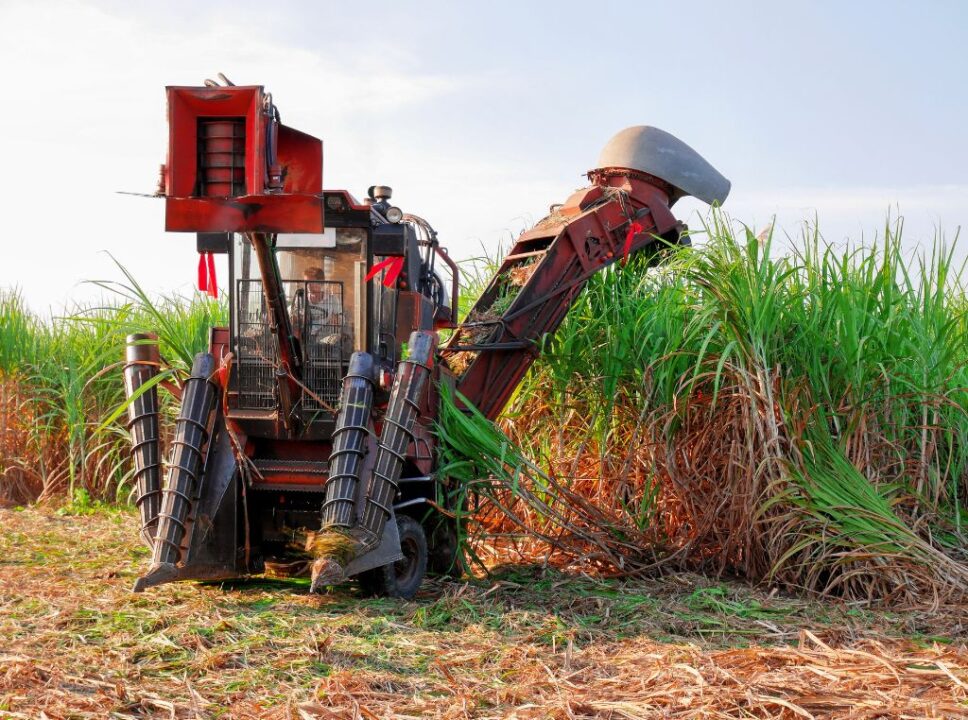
[591, 230]
[233, 167]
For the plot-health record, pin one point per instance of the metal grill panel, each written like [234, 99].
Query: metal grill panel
[255, 349]
[324, 345]
[221, 157]
[319, 321]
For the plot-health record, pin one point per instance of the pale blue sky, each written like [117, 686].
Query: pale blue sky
[481, 115]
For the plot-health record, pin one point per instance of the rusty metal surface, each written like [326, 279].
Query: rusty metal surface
[218, 342]
[589, 232]
[233, 168]
[306, 474]
[251, 213]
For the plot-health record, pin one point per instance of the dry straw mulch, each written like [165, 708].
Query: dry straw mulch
[524, 644]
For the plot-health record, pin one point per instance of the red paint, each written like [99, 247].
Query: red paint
[588, 237]
[218, 178]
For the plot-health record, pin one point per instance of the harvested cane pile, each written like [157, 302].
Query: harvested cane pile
[481, 325]
[795, 420]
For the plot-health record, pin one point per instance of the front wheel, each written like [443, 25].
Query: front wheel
[447, 557]
[402, 578]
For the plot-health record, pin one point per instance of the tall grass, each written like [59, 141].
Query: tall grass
[799, 419]
[61, 379]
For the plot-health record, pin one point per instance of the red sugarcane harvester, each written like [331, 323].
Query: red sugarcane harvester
[313, 410]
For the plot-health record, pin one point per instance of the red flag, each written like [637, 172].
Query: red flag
[634, 229]
[202, 273]
[394, 266]
[206, 274]
[212, 283]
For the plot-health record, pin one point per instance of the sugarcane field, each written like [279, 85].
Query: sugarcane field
[388, 361]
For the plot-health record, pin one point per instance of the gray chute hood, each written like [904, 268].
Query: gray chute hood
[656, 152]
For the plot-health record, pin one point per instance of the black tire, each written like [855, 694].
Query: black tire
[401, 579]
[446, 557]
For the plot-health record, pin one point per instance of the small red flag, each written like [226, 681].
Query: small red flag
[206, 274]
[202, 273]
[212, 282]
[634, 229]
[394, 266]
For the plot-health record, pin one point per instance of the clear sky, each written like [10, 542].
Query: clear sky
[480, 115]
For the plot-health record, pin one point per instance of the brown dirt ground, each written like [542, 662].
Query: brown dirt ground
[526, 642]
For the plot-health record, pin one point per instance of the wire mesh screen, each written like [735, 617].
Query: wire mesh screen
[319, 322]
[319, 315]
[256, 348]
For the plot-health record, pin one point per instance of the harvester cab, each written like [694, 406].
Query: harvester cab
[304, 441]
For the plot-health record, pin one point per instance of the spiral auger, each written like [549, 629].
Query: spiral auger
[141, 368]
[349, 443]
[184, 470]
[395, 438]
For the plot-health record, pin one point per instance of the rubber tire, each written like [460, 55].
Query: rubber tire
[446, 557]
[401, 579]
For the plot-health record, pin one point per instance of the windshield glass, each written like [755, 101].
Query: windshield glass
[323, 280]
[321, 273]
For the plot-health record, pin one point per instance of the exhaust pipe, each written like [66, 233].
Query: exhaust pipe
[184, 470]
[396, 436]
[141, 366]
